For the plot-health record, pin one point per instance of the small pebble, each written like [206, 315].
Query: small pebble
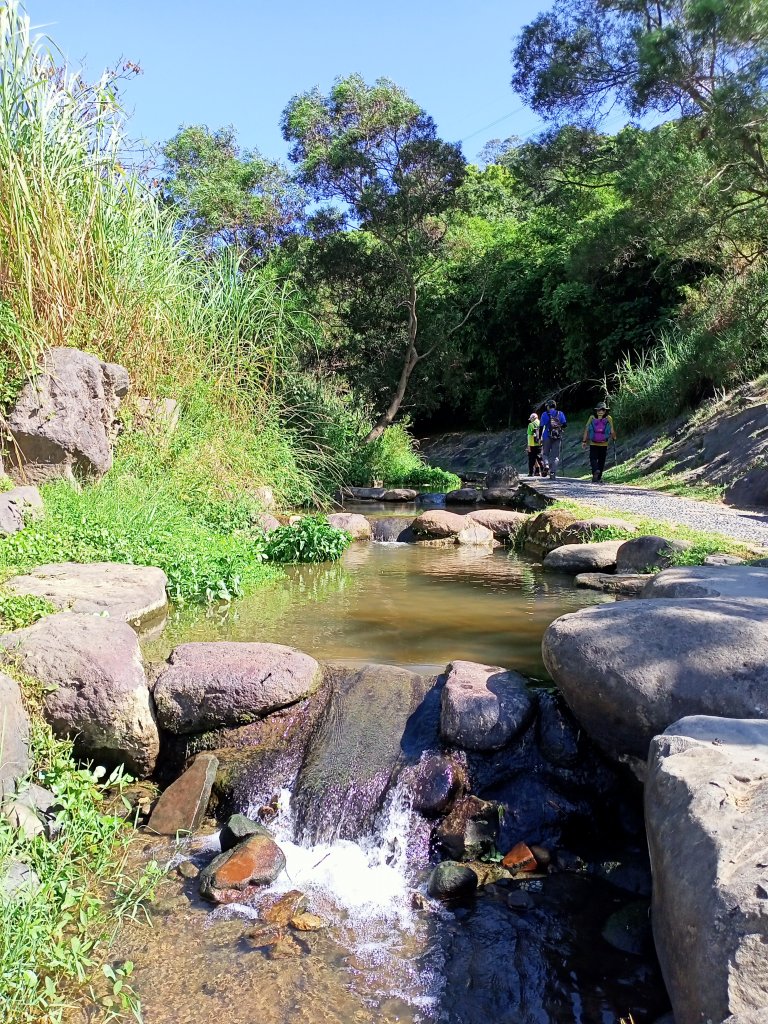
[187, 869]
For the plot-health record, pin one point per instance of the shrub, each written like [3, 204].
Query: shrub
[394, 459]
[19, 610]
[311, 539]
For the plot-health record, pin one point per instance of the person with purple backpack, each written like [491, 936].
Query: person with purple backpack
[598, 432]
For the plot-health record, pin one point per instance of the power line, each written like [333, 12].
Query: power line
[493, 123]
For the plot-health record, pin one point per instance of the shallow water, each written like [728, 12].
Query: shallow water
[398, 604]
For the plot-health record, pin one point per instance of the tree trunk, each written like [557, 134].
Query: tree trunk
[411, 358]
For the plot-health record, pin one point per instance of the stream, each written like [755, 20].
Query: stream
[569, 945]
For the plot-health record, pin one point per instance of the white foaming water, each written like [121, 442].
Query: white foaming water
[360, 884]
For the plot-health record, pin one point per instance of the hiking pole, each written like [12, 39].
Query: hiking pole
[614, 453]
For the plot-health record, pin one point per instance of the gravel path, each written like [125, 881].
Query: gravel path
[738, 524]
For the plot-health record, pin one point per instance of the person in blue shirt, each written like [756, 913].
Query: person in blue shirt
[553, 423]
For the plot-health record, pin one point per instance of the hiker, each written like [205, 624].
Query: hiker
[534, 445]
[553, 423]
[598, 432]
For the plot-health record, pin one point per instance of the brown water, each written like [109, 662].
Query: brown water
[398, 604]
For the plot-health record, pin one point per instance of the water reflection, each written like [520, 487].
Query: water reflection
[398, 604]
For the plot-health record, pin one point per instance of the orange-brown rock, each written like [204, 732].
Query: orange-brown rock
[285, 908]
[236, 874]
[520, 858]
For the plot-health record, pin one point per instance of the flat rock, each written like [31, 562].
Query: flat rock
[363, 493]
[723, 559]
[646, 554]
[63, 421]
[135, 594]
[501, 495]
[577, 558]
[475, 536]
[483, 707]
[626, 585]
[745, 581]
[16, 506]
[583, 530]
[503, 523]
[706, 800]
[238, 873]
[463, 496]
[438, 524]
[96, 689]
[392, 529]
[399, 494]
[211, 685]
[355, 524]
[629, 670]
[14, 734]
[181, 807]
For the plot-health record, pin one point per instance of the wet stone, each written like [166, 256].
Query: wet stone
[281, 912]
[450, 880]
[263, 936]
[237, 828]
[520, 858]
[238, 873]
[188, 869]
[470, 830]
[182, 806]
[287, 947]
[629, 929]
[519, 900]
[308, 923]
[433, 784]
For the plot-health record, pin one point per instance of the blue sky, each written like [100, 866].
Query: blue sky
[240, 61]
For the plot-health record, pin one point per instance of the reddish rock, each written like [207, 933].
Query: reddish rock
[520, 858]
[308, 923]
[356, 525]
[437, 523]
[182, 806]
[470, 830]
[235, 875]
[289, 906]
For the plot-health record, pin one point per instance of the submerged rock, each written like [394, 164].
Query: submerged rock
[470, 830]
[630, 670]
[238, 873]
[210, 685]
[706, 799]
[181, 807]
[483, 707]
[96, 689]
[308, 923]
[629, 929]
[64, 420]
[283, 909]
[135, 594]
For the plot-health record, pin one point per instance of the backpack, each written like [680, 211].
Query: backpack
[555, 429]
[599, 430]
[536, 435]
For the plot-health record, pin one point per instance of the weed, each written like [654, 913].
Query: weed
[19, 610]
[309, 540]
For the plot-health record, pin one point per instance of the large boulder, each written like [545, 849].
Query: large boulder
[15, 506]
[504, 524]
[749, 491]
[576, 558]
[583, 530]
[14, 734]
[356, 525]
[64, 420]
[706, 798]
[475, 536]
[483, 707]
[134, 594]
[631, 669]
[436, 524]
[96, 691]
[399, 494]
[745, 581]
[646, 554]
[463, 496]
[545, 532]
[211, 685]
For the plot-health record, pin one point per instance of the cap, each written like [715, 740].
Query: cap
[601, 405]
[532, 417]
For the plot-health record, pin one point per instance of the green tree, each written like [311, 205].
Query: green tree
[230, 197]
[376, 152]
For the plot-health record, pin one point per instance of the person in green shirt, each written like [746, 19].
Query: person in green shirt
[534, 445]
[598, 432]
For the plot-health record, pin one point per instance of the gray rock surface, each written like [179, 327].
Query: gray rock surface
[392, 529]
[475, 536]
[14, 734]
[503, 523]
[627, 585]
[437, 524]
[17, 880]
[135, 594]
[642, 554]
[64, 420]
[745, 581]
[355, 524]
[483, 707]
[211, 685]
[96, 690]
[750, 490]
[451, 880]
[16, 506]
[631, 669]
[398, 494]
[706, 800]
[463, 496]
[576, 558]
[157, 415]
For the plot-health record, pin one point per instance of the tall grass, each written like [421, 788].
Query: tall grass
[719, 342]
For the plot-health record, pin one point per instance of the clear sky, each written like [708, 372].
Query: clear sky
[240, 61]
